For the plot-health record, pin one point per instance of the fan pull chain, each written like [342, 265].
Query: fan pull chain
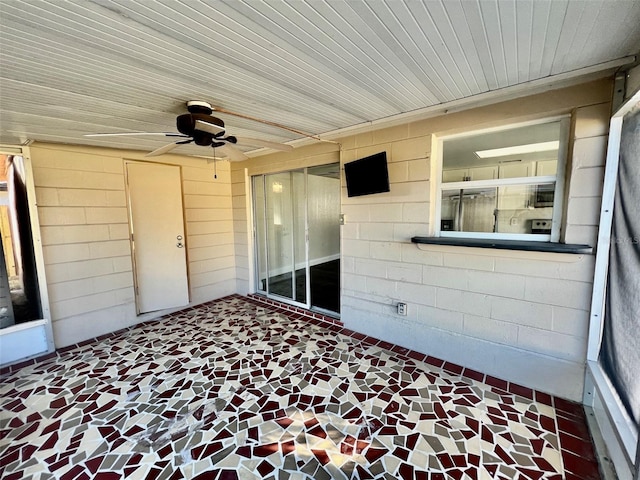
[215, 168]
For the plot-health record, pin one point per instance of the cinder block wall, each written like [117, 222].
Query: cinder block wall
[82, 206]
[521, 316]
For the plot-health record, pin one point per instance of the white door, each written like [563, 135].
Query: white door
[157, 225]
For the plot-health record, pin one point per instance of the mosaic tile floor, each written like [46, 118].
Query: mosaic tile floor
[234, 389]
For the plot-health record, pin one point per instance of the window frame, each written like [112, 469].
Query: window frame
[559, 179]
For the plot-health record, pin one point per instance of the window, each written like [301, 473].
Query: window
[503, 183]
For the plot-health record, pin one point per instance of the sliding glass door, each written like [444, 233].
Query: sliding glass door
[280, 228]
[297, 236]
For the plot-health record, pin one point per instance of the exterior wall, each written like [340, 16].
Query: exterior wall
[82, 206]
[520, 316]
[241, 228]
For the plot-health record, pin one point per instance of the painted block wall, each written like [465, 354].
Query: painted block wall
[82, 207]
[241, 228]
[520, 316]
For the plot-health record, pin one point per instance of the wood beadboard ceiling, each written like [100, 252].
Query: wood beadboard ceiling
[86, 66]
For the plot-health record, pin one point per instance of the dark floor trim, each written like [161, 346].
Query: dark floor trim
[306, 314]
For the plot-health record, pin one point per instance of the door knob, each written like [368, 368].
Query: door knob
[179, 237]
[179, 245]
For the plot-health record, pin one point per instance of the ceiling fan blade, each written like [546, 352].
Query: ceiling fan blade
[233, 153]
[135, 134]
[265, 143]
[209, 127]
[161, 150]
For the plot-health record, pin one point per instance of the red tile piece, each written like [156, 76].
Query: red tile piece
[27, 431]
[402, 453]
[577, 446]
[363, 474]
[265, 450]
[436, 362]
[405, 471]
[445, 460]
[321, 456]
[453, 368]
[575, 428]
[568, 407]
[544, 398]
[520, 390]
[373, 454]
[318, 431]
[473, 374]
[265, 468]
[581, 467]
[472, 473]
[225, 475]
[496, 382]
[107, 476]
[538, 445]
[530, 473]
[498, 450]
[543, 464]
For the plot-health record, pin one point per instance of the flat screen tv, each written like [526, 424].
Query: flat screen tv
[367, 175]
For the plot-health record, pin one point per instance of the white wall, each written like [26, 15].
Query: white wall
[82, 206]
[520, 316]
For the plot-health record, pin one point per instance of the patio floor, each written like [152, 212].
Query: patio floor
[236, 389]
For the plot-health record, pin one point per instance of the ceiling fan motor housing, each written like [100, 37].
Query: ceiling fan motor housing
[186, 124]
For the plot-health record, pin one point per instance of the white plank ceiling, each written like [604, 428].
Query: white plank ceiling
[69, 68]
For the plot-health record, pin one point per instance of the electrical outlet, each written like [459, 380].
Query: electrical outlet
[402, 308]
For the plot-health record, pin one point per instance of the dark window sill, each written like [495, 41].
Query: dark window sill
[524, 245]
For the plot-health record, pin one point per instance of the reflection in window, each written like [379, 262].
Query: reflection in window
[502, 183]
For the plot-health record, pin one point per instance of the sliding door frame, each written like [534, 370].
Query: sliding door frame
[28, 335]
[255, 278]
[256, 259]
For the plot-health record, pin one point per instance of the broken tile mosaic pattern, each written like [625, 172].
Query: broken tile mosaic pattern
[236, 390]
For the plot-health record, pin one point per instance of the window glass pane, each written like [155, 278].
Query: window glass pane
[514, 209]
[470, 210]
[512, 153]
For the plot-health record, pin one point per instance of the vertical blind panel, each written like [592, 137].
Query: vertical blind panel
[620, 354]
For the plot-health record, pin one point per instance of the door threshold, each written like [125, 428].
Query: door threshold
[331, 318]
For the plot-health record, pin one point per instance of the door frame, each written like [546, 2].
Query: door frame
[131, 238]
[254, 276]
[256, 267]
[29, 334]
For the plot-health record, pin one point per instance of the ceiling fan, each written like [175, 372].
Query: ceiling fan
[200, 127]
